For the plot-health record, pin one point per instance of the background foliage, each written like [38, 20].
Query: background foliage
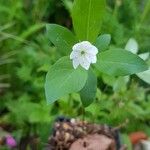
[26, 54]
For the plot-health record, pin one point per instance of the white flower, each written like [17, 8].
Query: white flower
[84, 53]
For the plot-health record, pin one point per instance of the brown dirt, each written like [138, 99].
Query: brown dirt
[81, 135]
[94, 142]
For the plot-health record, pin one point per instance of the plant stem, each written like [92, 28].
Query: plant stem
[83, 113]
[83, 117]
[115, 11]
[145, 12]
[69, 104]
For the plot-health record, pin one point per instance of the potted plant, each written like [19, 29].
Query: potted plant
[85, 53]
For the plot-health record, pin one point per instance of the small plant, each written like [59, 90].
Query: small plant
[88, 52]
[132, 46]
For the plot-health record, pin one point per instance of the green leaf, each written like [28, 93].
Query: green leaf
[93, 109]
[63, 79]
[121, 84]
[88, 92]
[103, 41]
[68, 5]
[87, 18]
[118, 83]
[31, 30]
[109, 80]
[119, 62]
[61, 37]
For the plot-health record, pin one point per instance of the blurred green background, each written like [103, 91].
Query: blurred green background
[26, 54]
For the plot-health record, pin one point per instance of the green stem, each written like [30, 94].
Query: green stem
[69, 104]
[83, 117]
[115, 12]
[145, 12]
[83, 113]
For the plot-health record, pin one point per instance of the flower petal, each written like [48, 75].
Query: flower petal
[92, 50]
[82, 46]
[84, 63]
[75, 63]
[74, 54]
[78, 46]
[91, 58]
[84, 53]
[85, 44]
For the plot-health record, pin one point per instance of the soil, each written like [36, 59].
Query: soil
[93, 142]
[74, 134]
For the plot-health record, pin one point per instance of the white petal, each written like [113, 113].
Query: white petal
[74, 54]
[94, 60]
[76, 47]
[88, 47]
[71, 55]
[132, 46]
[81, 46]
[84, 63]
[144, 56]
[91, 58]
[83, 59]
[75, 63]
[92, 50]
[85, 44]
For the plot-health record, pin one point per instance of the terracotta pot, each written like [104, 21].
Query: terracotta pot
[136, 137]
